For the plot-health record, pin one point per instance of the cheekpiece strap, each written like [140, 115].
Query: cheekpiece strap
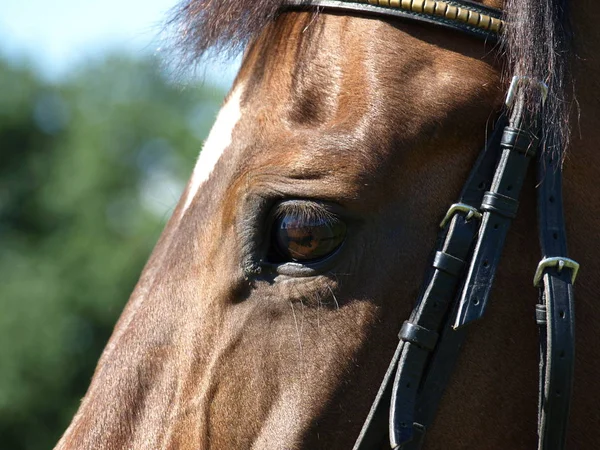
[519, 145]
[411, 407]
[555, 277]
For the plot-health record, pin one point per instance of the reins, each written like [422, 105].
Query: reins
[472, 236]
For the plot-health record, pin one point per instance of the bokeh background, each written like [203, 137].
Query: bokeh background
[98, 136]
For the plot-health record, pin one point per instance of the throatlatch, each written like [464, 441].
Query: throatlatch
[471, 242]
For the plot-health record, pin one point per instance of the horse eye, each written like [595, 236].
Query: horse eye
[298, 236]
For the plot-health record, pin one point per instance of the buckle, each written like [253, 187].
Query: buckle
[516, 81]
[470, 211]
[555, 261]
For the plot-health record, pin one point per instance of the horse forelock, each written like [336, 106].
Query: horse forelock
[538, 45]
[224, 26]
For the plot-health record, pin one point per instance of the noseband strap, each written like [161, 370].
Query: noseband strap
[458, 284]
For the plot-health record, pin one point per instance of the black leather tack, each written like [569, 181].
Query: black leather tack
[557, 354]
[520, 140]
[374, 432]
[420, 369]
[500, 204]
[557, 340]
[448, 263]
[409, 409]
[405, 394]
[540, 314]
[420, 336]
[417, 440]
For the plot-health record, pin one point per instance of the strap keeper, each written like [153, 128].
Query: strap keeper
[420, 336]
[500, 204]
[448, 263]
[520, 141]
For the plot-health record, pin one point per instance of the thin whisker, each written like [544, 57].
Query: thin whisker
[298, 333]
[337, 305]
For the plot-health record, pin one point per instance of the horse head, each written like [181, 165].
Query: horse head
[268, 312]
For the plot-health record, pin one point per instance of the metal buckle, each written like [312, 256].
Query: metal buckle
[516, 81]
[460, 207]
[555, 261]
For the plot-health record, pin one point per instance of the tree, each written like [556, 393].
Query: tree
[89, 171]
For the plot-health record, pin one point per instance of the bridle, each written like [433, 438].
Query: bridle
[457, 287]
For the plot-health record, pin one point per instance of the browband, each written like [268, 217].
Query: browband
[461, 15]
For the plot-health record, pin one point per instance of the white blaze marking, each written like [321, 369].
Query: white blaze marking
[218, 140]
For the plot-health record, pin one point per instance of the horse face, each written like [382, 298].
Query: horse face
[269, 309]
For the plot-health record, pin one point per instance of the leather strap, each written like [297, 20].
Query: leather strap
[519, 144]
[419, 335]
[557, 340]
[430, 314]
[423, 372]
[438, 374]
[501, 207]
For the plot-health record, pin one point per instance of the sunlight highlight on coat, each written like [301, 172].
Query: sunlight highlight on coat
[218, 140]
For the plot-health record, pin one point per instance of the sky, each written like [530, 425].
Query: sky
[56, 35]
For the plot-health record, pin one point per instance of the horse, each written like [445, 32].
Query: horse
[269, 310]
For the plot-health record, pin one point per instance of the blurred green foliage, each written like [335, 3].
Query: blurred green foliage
[90, 170]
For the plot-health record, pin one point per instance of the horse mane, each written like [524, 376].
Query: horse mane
[536, 45]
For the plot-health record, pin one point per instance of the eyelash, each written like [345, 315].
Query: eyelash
[306, 210]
